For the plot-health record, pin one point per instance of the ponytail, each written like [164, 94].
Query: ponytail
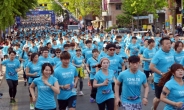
[166, 77]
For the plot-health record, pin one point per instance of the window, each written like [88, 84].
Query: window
[118, 6]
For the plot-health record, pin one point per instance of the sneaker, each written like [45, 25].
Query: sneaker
[152, 108]
[81, 93]
[14, 101]
[152, 86]
[92, 100]
[31, 106]
[11, 101]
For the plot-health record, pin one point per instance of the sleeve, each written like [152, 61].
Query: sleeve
[181, 62]
[76, 73]
[155, 60]
[121, 60]
[144, 79]
[88, 62]
[35, 81]
[18, 64]
[28, 65]
[96, 77]
[4, 62]
[145, 54]
[168, 85]
[120, 77]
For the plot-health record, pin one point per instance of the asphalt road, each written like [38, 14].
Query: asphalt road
[83, 103]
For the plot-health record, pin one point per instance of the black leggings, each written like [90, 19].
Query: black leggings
[44, 109]
[108, 103]
[81, 83]
[93, 90]
[12, 87]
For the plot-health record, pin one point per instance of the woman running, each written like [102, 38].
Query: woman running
[47, 85]
[103, 82]
[78, 60]
[173, 90]
[33, 69]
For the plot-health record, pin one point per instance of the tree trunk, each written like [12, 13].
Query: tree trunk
[174, 20]
[137, 21]
[0, 36]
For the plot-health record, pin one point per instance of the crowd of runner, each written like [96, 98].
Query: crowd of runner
[56, 61]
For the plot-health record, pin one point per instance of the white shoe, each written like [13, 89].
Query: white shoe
[32, 107]
[81, 93]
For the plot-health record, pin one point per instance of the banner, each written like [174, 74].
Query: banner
[179, 18]
[170, 19]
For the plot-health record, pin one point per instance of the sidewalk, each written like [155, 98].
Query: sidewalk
[1, 77]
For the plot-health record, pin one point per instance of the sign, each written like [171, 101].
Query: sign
[167, 24]
[141, 17]
[43, 13]
[170, 19]
[104, 4]
[179, 19]
[150, 18]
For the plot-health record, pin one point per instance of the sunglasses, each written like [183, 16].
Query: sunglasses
[58, 52]
[29, 55]
[118, 47]
[112, 49]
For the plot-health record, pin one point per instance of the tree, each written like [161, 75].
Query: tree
[124, 20]
[11, 8]
[142, 7]
[84, 7]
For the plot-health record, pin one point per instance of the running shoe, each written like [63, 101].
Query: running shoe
[31, 106]
[92, 100]
[152, 86]
[11, 101]
[81, 93]
[14, 101]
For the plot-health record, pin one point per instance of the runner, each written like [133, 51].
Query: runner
[12, 68]
[132, 79]
[133, 48]
[147, 56]
[77, 61]
[103, 82]
[57, 57]
[67, 77]
[160, 64]
[24, 58]
[172, 93]
[91, 69]
[179, 53]
[33, 69]
[47, 85]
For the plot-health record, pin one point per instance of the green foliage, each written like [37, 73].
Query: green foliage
[84, 7]
[11, 8]
[57, 9]
[143, 7]
[124, 20]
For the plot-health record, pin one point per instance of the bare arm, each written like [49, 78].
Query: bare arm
[97, 85]
[146, 90]
[76, 80]
[29, 74]
[154, 69]
[163, 97]
[87, 68]
[116, 88]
